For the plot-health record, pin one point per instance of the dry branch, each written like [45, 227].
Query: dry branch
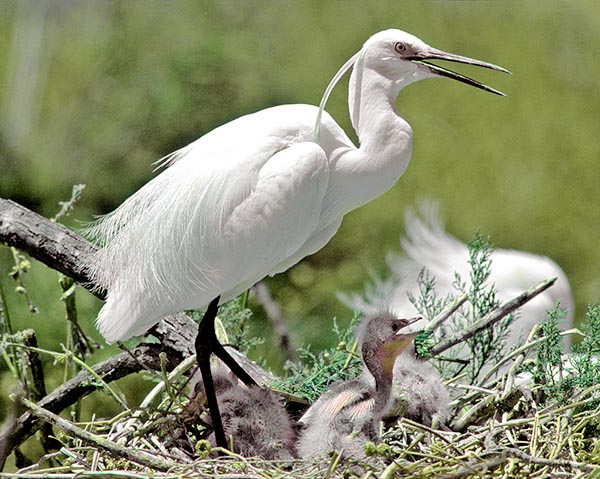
[492, 318]
[137, 456]
[121, 365]
[275, 316]
[48, 242]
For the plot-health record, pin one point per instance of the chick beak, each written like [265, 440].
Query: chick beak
[403, 339]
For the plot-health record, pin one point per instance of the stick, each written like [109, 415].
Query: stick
[138, 456]
[121, 365]
[492, 318]
[589, 468]
[51, 243]
[37, 390]
[448, 311]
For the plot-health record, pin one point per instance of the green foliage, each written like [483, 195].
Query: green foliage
[488, 346]
[586, 361]
[564, 377]
[427, 302]
[235, 317]
[483, 348]
[423, 344]
[548, 369]
[314, 373]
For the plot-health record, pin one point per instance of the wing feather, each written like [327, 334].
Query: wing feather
[228, 209]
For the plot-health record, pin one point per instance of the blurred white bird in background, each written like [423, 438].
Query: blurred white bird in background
[255, 196]
[427, 245]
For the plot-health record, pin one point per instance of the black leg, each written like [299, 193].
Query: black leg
[205, 341]
[232, 364]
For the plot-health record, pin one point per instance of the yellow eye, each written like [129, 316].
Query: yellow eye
[400, 47]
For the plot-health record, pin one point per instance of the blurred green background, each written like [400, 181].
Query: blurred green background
[93, 92]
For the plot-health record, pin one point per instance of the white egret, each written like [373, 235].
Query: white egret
[427, 245]
[255, 196]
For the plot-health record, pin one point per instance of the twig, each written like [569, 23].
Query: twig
[550, 462]
[121, 365]
[448, 311]
[275, 315]
[74, 332]
[492, 318]
[37, 388]
[140, 457]
[66, 207]
[478, 469]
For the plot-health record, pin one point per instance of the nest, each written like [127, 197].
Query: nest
[510, 428]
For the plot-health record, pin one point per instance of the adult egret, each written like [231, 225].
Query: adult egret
[427, 245]
[255, 196]
[348, 414]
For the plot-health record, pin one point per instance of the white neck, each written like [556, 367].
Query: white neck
[385, 139]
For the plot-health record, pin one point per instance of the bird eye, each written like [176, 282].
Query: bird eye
[395, 327]
[400, 47]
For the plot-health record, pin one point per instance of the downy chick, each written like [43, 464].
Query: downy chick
[254, 420]
[348, 414]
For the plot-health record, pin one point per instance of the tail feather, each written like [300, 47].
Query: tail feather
[121, 318]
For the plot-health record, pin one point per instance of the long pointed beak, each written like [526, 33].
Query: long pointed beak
[434, 54]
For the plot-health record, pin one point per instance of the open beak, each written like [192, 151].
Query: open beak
[434, 54]
[404, 339]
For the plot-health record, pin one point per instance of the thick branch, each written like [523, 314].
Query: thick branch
[51, 243]
[66, 251]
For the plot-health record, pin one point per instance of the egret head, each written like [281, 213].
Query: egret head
[403, 58]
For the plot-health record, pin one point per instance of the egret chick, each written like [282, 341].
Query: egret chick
[418, 392]
[254, 421]
[349, 413]
[255, 196]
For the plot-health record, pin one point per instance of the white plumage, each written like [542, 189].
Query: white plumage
[253, 197]
[427, 245]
